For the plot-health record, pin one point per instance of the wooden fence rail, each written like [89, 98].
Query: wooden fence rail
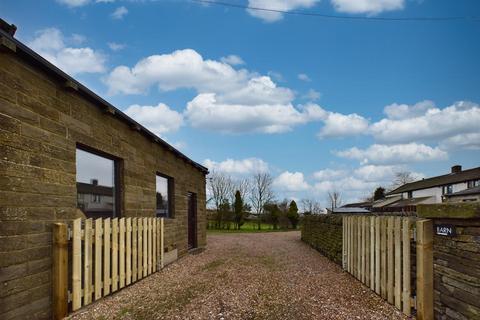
[376, 250]
[107, 255]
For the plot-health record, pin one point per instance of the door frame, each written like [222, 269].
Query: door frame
[192, 220]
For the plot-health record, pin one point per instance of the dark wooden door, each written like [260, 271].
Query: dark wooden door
[192, 220]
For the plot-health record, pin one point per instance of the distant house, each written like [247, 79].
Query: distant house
[467, 195]
[457, 186]
[438, 189]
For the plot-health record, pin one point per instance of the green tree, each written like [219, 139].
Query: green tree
[225, 213]
[272, 214]
[379, 194]
[238, 210]
[292, 214]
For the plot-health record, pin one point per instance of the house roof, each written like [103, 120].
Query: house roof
[465, 175]
[349, 210]
[409, 202]
[466, 192]
[94, 189]
[387, 201]
[363, 204]
[22, 51]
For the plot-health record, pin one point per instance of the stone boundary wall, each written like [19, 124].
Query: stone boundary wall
[324, 233]
[456, 260]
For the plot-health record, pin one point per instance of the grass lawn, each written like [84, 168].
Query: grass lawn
[250, 227]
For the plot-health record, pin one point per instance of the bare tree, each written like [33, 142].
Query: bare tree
[261, 194]
[335, 199]
[220, 188]
[311, 206]
[243, 186]
[401, 178]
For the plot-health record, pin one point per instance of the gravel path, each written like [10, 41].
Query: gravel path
[246, 276]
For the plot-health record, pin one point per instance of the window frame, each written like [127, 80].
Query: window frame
[171, 198]
[445, 190]
[116, 175]
[473, 183]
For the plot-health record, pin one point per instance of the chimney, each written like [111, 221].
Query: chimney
[456, 169]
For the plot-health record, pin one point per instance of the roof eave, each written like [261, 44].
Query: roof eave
[33, 57]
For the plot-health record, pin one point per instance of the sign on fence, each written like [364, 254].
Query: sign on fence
[447, 230]
[107, 255]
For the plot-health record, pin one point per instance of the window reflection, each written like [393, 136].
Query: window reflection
[163, 197]
[95, 185]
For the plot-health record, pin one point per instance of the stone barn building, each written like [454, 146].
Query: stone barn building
[67, 153]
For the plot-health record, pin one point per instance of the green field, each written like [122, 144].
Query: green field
[249, 227]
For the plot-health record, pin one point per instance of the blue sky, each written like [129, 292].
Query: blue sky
[319, 103]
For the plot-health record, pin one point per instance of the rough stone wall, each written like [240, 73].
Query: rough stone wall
[324, 233]
[457, 271]
[40, 123]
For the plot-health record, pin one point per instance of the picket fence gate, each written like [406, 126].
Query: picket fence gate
[107, 255]
[377, 251]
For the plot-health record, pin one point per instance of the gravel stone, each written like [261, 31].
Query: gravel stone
[246, 276]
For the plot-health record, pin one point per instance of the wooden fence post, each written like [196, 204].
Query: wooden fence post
[161, 243]
[60, 271]
[424, 269]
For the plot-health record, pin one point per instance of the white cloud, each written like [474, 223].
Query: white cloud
[355, 184]
[304, 77]
[277, 76]
[179, 69]
[340, 125]
[180, 145]
[367, 6]
[423, 121]
[74, 3]
[119, 13]
[282, 5]
[328, 174]
[232, 60]
[237, 167]
[258, 90]
[312, 95]
[50, 43]
[394, 154]
[116, 46]
[228, 100]
[205, 112]
[373, 173]
[291, 181]
[78, 39]
[469, 141]
[404, 111]
[352, 183]
[160, 119]
[350, 187]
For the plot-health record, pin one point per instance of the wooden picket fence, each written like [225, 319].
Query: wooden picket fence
[107, 255]
[377, 251]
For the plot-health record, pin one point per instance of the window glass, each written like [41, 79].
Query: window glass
[473, 183]
[163, 188]
[447, 189]
[95, 185]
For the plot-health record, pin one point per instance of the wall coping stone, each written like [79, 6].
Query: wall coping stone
[449, 210]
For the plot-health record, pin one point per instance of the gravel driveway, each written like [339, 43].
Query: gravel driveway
[246, 276]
